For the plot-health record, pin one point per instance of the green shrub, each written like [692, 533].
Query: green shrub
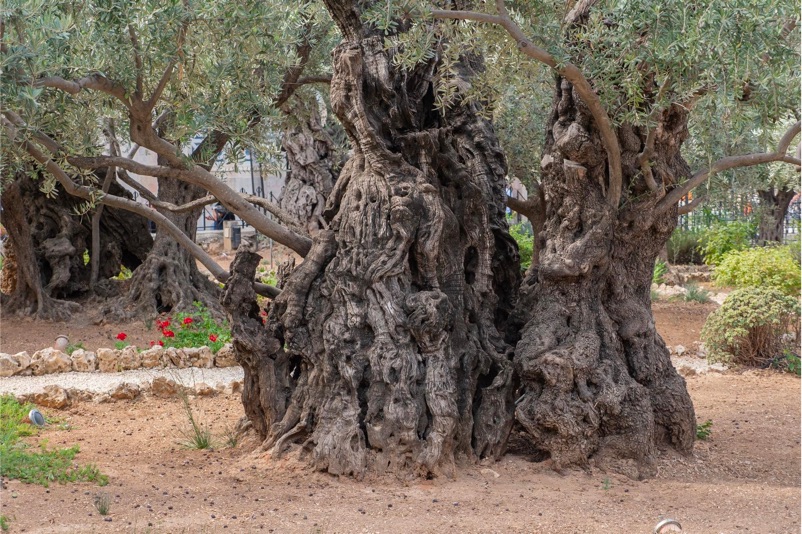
[752, 327]
[703, 430]
[684, 247]
[525, 240]
[772, 266]
[724, 237]
[659, 272]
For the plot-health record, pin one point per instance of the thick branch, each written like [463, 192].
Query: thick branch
[529, 208]
[732, 162]
[568, 71]
[96, 81]
[157, 93]
[692, 205]
[233, 200]
[137, 60]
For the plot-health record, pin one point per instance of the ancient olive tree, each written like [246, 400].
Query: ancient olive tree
[150, 69]
[386, 350]
[596, 379]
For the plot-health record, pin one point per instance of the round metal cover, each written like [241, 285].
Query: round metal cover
[667, 525]
[36, 417]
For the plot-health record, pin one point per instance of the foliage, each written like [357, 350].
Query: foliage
[792, 363]
[752, 327]
[771, 266]
[724, 237]
[267, 277]
[694, 293]
[659, 272]
[37, 467]
[124, 274]
[3, 523]
[194, 329]
[703, 430]
[133, 43]
[525, 241]
[684, 247]
[74, 346]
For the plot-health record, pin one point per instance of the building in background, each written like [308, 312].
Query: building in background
[248, 175]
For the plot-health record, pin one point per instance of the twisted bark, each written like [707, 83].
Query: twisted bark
[49, 240]
[598, 383]
[394, 324]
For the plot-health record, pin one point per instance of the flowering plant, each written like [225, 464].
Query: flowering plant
[120, 343]
[196, 330]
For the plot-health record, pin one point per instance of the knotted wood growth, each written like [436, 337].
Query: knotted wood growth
[597, 379]
[391, 333]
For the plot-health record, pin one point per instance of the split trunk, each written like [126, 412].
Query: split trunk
[386, 351]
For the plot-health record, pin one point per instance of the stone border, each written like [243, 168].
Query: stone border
[50, 361]
[57, 397]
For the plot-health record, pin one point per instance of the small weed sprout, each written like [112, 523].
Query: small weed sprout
[606, 484]
[72, 348]
[3, 523]
[102, 503]
[703, 430]
[231, 436]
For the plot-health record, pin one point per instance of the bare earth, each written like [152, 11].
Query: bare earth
[745, 478]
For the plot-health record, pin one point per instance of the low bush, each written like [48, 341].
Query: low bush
[772, 266]
[725, 237]
[684, 247]
[753, 327]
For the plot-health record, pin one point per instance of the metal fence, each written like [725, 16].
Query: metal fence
[707, 215]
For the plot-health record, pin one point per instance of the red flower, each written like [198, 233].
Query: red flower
[212, 338]
[187, 320]
[121, 336]
[163, 324]
[152, 343]
[263, 313]
[168, 333]
[161, 342]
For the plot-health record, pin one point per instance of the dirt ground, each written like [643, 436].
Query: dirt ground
[744, 478]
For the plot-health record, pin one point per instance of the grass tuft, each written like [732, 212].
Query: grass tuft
[198, 436]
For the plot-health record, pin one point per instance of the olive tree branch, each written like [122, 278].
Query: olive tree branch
[732, 162]
[568, 71]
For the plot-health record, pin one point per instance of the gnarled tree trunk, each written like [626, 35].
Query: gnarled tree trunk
[311, 174]
[386, 350]
[49, 241]
[773, 209]
[168, 280]
[597, 380]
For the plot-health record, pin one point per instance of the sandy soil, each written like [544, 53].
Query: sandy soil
[745, 478]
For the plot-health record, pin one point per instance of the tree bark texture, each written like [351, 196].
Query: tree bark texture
[49, 240]
[310, 176]
[388, 342]
[773, 209]
[597, 381]
[168, 280]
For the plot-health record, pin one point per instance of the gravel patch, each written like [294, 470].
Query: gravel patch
[695, 365]
[106, 382]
